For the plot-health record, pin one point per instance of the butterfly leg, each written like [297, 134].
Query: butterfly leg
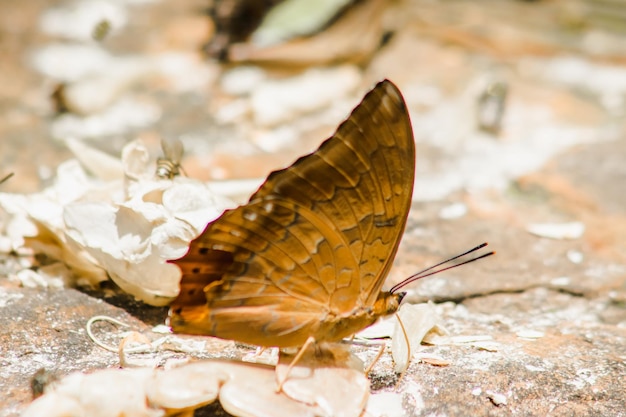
[381, 350]
[268, 356]
[369, 343]
[259, 351]
[281, 381]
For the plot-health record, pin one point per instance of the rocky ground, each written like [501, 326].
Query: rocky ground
[545, 189]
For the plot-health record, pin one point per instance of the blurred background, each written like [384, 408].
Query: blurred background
[495, 89]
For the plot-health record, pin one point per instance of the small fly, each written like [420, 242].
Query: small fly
[169, 166]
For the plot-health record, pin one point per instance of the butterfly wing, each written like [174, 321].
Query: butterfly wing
[316, 239]
[361, 181]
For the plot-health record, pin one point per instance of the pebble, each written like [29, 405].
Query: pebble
[31, 279]
[69, 62]
[385, 404]
[6, 244]
[275, 102]
[561, 281]
[275, 139]
[95, 93]
[496, 398]
[233, 112]
[530, 334]
[453, 211]
[161, 329]
[241, 81]
[79, 20]
[125, 115]
[575, 256]
[487, 346]
[560, 231]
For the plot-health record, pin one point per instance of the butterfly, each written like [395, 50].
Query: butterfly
[307, 256]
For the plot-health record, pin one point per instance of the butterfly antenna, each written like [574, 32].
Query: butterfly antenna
[425, 273]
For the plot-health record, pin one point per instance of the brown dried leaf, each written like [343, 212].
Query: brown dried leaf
[352, 38]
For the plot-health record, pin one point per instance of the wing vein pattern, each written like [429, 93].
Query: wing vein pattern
[317, 238]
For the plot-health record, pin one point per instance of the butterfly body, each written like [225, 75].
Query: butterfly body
[263, 322]
[307, 256]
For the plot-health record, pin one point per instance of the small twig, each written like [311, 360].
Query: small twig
[94, 339]
[104, 345]
[6, 177]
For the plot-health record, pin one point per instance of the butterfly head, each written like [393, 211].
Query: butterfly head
[388, 303]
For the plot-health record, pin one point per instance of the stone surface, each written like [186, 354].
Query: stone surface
[553, 310]
[46, 329]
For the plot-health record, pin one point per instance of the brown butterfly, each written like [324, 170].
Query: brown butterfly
[307, 256]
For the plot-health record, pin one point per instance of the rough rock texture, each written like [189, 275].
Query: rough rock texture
[555, 309]
[47, 330]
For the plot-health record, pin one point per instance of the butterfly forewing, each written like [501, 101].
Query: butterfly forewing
[273, 256]
[379, 131]
[316, 240]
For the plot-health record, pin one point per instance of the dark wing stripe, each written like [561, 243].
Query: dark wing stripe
[272, 257]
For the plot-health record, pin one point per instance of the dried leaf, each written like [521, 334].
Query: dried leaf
[353, 37]
[101, 164]
[247, 390]
[295, 18]
[418, 321]
[309, 381]
[560, 231]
